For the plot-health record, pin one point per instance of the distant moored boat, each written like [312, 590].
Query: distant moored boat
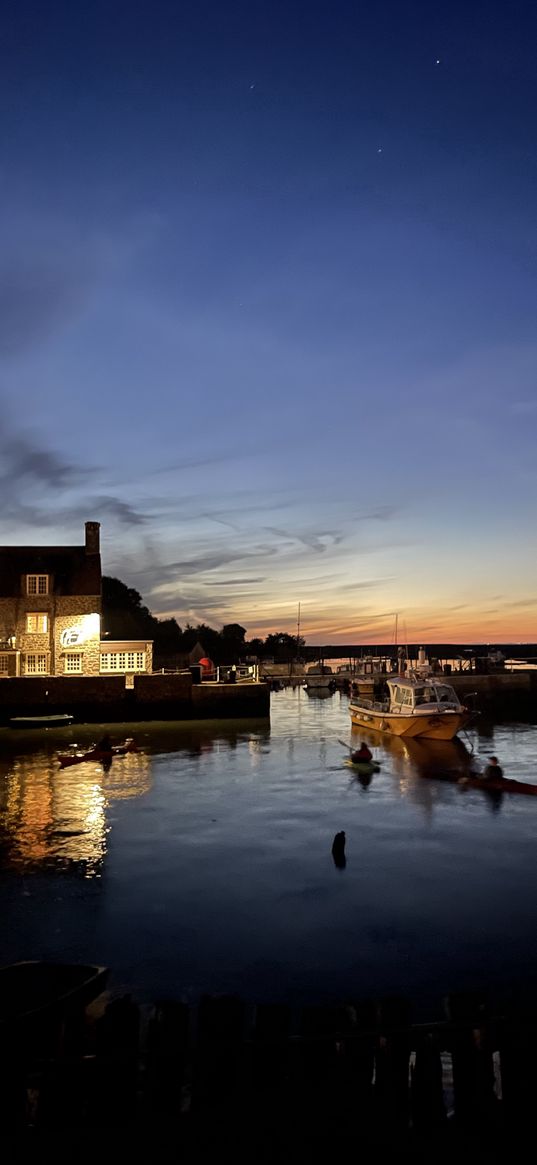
[416, 704]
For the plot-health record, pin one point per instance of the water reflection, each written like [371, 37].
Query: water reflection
[58, 816]
[422, 767]
[220, 877]
[319, 693]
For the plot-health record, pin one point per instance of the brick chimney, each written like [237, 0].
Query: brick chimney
[92, 537]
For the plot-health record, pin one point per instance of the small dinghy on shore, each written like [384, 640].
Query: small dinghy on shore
[62, 720]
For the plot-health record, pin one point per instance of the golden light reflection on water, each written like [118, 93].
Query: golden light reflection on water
[409, 759]
[59, 816]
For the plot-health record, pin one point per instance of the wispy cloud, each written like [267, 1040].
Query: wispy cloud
[237, 582]
[40, 488]
[313, 541]
[521, 602]
[29, 471]
[365, 584]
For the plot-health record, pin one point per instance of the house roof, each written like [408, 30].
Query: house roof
[75, 572]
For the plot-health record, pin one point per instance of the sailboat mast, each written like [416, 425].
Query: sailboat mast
[298, 634]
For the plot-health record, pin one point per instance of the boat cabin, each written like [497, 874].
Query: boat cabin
[409, 695]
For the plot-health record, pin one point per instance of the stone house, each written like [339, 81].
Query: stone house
[50, 613]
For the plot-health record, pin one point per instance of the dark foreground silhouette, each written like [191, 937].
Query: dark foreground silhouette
[338, 850]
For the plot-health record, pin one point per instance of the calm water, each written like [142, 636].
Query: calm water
[204, 862]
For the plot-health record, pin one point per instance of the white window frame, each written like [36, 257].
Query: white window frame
[70, 658]
[121, 662]
[37, 630]
[4, 664]
[37, 584]
[41, 664]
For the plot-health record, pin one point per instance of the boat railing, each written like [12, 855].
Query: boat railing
[372, 705]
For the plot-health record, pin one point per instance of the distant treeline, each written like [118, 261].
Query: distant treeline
[125, 617]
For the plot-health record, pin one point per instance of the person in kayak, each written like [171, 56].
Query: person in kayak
[493, 769]
[105, 744]
[363, 754]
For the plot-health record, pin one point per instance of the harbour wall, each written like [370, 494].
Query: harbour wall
[106, 699]
[505, 693]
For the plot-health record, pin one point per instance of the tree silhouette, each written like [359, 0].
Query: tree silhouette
[125, 616]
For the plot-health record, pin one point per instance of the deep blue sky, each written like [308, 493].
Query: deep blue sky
[268, 306]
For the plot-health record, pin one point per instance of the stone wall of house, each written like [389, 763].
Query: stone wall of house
[69, 613]
[33, 644]
[8, 618]
[64, 612]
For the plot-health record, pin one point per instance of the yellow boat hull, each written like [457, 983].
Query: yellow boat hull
[436, 726]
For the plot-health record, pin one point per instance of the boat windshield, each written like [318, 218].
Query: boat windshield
[425, 695]
[445, 694]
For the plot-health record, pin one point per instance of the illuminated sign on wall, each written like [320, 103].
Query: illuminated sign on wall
[87, 628]
[71, 637]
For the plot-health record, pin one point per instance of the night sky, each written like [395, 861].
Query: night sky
[268, 307]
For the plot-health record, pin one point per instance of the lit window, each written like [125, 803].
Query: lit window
[123, 661]
[36, 623]
[37, 584]
[73, 662]
[4, 665]
[36, 665]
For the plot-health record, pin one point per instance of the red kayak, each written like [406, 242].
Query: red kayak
[78, 758]
[499, 785]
